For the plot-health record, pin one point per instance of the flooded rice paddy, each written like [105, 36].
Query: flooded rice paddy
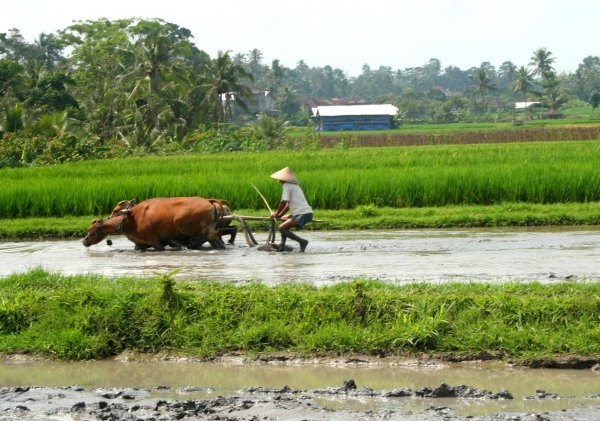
[544, 254]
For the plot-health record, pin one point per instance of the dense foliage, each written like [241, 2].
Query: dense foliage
[107, 316]
[131, 87]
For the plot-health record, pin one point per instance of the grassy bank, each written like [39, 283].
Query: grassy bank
[84, 317]
[361, 218]
[403, 177]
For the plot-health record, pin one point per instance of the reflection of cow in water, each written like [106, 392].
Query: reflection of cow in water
[178, 221]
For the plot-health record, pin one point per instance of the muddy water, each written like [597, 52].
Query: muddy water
[545, 254]
[216, 379]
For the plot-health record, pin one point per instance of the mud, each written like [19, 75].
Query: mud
[143, 387]
[384, 393]
[134, 404]
[542, 254]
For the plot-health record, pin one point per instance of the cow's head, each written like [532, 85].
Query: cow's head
[123, 207]
[97, 231]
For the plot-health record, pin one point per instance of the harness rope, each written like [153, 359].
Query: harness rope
[118, 225]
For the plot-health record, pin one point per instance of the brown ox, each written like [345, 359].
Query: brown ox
[225, 227]
[161, 222]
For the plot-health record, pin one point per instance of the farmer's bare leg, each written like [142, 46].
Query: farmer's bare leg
[284, 229]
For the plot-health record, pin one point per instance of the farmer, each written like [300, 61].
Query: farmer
[293, 200]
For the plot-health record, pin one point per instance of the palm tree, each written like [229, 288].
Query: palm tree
[157, 80]
[541, 61]
[482, 83]
[224, 82]
[13, 118]
[52, 125]
[524, 82]
[554, 99]
[255, 57]
[288, 101]
[270, 129]
[508, 72]
[12, 77]
[240, 58]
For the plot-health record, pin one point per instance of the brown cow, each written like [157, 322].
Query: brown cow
[225, 227]
[161, 222]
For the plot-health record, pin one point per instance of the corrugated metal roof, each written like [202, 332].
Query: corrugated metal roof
[341, 110]
[520, 105]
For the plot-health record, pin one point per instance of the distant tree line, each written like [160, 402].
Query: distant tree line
[134, 84]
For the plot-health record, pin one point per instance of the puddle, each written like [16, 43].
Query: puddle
[219, 379]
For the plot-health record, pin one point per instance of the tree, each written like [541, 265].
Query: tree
[482, 83]
[269, 128]
[101, 52]
[524, 82]
[552, 95]
[586, 78]
[595, 100]
[225, 80]
[508, 72]
[51, 94]
[13, 118]
[275, 78]
[255, 57]
[433, 68]
[12, 78]
[288, 101]
[541, 61]
[240, 58]
[156, 80]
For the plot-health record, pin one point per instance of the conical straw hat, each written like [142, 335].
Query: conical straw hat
[285, 175]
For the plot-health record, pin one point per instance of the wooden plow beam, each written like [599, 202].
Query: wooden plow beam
[250, 240]
[235, 217]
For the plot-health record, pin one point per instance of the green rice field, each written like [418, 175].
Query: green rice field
[332, 179]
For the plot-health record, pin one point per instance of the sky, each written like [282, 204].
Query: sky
[348, 34]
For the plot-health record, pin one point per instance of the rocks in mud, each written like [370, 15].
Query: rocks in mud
[267, 390]
[596, 396]
[165, 409]
[462, 391]
[349, 388]
[542, 394]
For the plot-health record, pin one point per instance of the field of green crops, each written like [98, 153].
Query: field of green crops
[468, 127]
[441, 175]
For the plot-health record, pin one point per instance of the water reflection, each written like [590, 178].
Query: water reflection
[230, 379]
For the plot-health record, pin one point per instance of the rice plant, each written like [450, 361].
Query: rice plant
[479, 174]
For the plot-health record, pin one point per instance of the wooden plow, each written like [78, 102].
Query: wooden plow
[270, 244]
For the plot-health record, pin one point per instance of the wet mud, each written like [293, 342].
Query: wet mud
[257, 403]
[132, 387]
[313, 391]
[546, 254]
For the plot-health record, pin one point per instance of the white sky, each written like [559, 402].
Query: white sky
[347, 34]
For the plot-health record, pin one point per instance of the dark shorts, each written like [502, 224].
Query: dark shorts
[300, 220]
